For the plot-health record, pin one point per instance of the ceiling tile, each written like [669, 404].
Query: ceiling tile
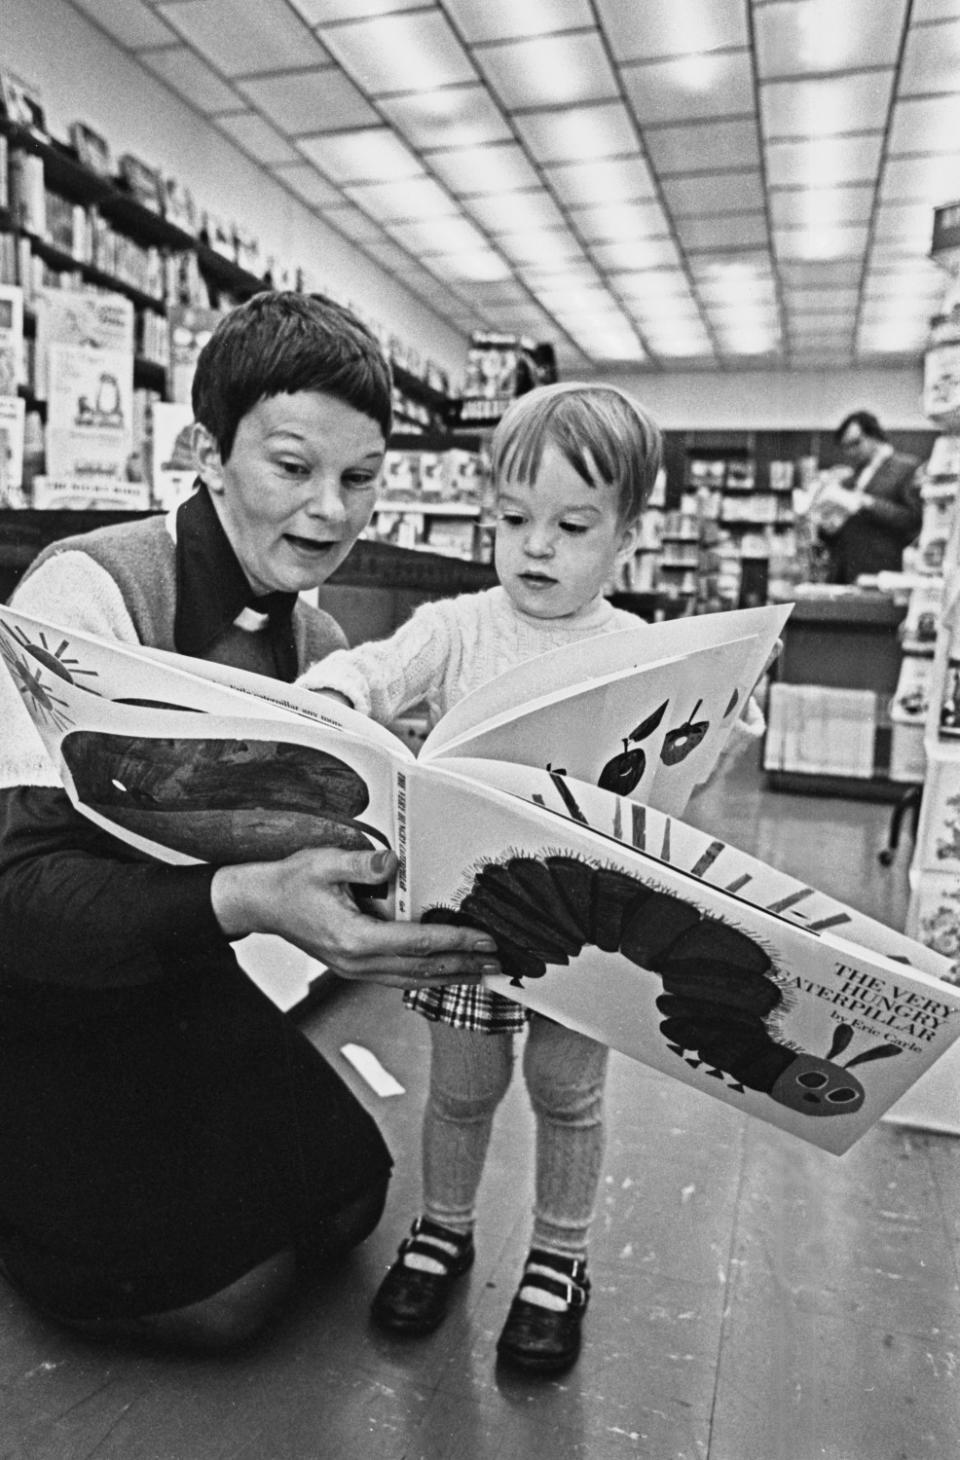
[910, 221]
[619, 222]
[733, 274]
[931, 60]
[371, 155]
[304, 180]
[717, 192]
[452, 116]
[893, 254]
[132, 24]
[257, 137]
[549, 71]
[415, 51]
[578, 134]
[652, 285]
[824, 161]
[679, 344]
[415, 198]
[930, 124]
[841, 273]
[821, 207]
[933, 179]
[624, 179]
[798, 302]
[719, 84]
[354, 224]
[727, 230]
[921, 278]
[504, 19]
[240, 37]
[390, 256]
[641, 253]
[681, 312]
[672, 27]
[310, 101]
[506, 212]
[799, 37]
[704, 147]
[574, 273]
[827, 105]
[185, 73]
[499, 168]
[468, 267]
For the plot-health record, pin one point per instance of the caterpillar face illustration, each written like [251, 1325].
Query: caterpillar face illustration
[220, 800]
[720, 990]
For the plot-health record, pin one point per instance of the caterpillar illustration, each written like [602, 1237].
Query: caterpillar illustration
[720, 991]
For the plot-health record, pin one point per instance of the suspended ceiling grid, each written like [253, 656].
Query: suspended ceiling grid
[649, 184]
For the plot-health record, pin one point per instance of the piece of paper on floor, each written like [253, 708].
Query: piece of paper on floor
[365, 1063]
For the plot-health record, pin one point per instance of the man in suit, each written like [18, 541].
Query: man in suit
[885, 502]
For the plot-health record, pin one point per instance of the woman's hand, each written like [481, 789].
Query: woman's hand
[306, 899]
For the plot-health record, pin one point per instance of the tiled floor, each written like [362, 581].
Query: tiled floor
[754, 1299]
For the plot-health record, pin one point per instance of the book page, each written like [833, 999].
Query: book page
[786, 1022]
[573, 665]
[652, 732]
[187, 769]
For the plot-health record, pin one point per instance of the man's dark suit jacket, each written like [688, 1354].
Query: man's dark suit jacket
[873, 539]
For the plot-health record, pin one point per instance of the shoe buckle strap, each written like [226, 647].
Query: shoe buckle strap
[571, 1292]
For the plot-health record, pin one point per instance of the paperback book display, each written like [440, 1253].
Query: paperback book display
[570, 772]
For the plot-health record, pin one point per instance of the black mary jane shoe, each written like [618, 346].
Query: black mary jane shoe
[411, 1300]
[546, 1340]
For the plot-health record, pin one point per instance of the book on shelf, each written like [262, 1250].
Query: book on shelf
[544, 808]
[92, 149]
[12, 422]
[12, 372]
[143, 183]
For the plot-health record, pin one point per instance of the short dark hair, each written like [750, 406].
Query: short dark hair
[867, 422]
[278, 343]
[599, 429]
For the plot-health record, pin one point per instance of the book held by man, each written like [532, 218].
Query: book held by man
[544, 807]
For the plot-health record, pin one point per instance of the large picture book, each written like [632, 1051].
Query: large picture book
[546, 809]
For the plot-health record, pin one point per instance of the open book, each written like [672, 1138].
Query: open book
[543, 808]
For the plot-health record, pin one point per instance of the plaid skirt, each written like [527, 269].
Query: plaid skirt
[469, 1006]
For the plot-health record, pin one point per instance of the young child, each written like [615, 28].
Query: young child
[573, 467]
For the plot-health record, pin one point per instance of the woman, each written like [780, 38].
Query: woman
[173, 1152]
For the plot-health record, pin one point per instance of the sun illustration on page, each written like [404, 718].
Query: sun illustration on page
[17, 652]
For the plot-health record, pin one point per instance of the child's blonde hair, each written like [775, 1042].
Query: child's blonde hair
[601, 431]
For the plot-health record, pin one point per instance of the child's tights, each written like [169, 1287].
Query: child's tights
[469, 1076]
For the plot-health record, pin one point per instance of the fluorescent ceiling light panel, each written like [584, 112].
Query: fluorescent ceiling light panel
[304, 180]
[721, 146]
[919, 280]
[925, 124]
[132, 24]
[704, 85]
[672, 27]
[302, 102]
[619, 222]
[669, 310]
[719, 192]
[256, 137]
[417, 51]
[578, 134]
[414, 199]
[824, 161]
[834, 301]
[372, 154]
[652, 287]
[826, 106]
[480, 264]
[931, 60]
[541, 247]
[508, 212]
[814, 36]
[678, 341]
[316, 12]
[354, 224]
[390, 256]
[450, 116]
[609, 342]
[548, 71]
[241, 37]
[620, 179]
[494, 20]
[821, 207]
[910, 222]
[800, 274]
[820, 243]
[439, 236]
[499, 168]
[641, 253]
[574, 274]
[191, 77]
